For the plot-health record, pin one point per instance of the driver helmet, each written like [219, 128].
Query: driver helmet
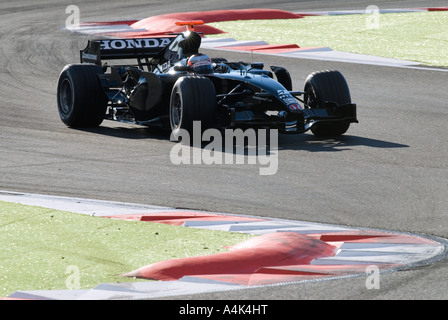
[201, 63]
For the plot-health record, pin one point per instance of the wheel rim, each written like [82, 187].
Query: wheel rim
[66, 97]
[176, 111]
[310, 100]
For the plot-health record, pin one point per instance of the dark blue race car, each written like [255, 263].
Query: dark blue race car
[171, 84]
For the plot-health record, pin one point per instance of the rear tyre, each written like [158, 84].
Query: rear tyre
[81, 100]
[328, 86]
[192, 99]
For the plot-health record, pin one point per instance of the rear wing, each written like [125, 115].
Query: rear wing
[111, 49]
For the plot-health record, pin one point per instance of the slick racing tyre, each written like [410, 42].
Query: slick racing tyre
[81, 99]
[325, 86]
[193, 98]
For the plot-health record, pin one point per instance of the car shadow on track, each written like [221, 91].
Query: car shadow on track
[311, 143]
[130, 132]
[303, 142]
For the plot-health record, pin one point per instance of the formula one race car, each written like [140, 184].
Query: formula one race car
[172, 85]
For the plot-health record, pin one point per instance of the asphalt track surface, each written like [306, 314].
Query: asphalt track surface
[388, 172]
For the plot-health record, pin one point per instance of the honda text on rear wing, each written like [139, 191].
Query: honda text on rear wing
[111, 49]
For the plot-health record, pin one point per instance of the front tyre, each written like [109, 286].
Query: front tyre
[323, 86]
[81, 100]
[192, 99]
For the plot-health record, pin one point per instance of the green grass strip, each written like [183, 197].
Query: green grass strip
[417, 36]
[43, 249]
